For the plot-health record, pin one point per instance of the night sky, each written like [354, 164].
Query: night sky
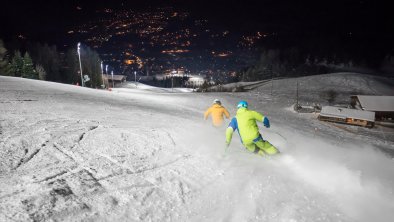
[45, 19]
[363, 23]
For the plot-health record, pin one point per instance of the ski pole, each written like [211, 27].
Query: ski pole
[226, 147]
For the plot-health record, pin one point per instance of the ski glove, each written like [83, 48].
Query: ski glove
[266, 122]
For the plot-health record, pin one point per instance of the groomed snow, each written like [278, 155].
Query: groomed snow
[69, 153]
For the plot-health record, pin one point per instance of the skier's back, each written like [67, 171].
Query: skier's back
[245, 123]
[217, 111]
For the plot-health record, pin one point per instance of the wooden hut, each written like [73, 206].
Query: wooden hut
[347, 116]
[117, 79]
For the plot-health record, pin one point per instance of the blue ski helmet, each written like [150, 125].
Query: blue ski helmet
[243, 104]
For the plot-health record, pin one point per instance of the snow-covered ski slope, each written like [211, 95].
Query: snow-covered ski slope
[69, 153]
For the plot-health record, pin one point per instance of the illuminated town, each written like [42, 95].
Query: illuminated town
[163, 40]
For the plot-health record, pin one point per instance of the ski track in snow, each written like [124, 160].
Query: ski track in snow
[74, 154]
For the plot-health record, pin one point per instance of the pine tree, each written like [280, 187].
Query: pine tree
[28, 67]
[17, 64]
[49, 58]
[4, 64]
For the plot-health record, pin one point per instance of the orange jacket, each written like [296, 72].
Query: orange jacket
[217, 112]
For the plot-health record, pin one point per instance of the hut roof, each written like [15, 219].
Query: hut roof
[343, 113]
[376, 103]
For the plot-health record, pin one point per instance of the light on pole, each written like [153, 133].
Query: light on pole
[135, 78]
[102, 73]
[112, 73]
[80, 64]
[106, 72]
[172, 80]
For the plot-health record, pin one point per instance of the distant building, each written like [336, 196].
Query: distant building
[176, 73]
[347, 116]
[383, 106]
[195, 80]
[160, 76]
[146, 78]
[117, 79]
[192, 79]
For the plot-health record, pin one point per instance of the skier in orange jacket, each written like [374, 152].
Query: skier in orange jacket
[216, 111]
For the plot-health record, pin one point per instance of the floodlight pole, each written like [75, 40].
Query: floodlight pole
[106, 73]
[112, 73]
[80, 64]
[102, 73]
[172, 80]
[135, 78]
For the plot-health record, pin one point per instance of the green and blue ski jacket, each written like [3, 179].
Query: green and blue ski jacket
[245, 123]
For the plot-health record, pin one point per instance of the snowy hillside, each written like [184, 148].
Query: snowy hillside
[69, 153]
[340, 85]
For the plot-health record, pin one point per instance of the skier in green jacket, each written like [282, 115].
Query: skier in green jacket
[245, 123]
